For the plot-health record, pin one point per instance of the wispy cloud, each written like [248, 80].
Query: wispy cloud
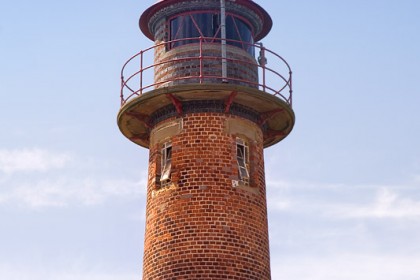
[23, 160]
[38, 178]
[63, 192]
[386, 204]
[14, 272]
[347, 267]
[345, 201]
[361, 220]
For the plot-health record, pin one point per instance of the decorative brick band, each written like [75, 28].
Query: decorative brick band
[205, 106]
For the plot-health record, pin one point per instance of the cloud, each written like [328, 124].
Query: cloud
[63, 192]
[347, 267]
[345, 201]
[39, 178]
[15, 272]
[26, 160]
[323, 219]
[387, 204]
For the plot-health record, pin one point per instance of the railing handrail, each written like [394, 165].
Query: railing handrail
[279, 92]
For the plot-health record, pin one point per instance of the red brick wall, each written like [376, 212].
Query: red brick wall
[200, 226]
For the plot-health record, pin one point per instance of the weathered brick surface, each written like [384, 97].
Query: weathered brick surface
[182, 65]
[199, 226]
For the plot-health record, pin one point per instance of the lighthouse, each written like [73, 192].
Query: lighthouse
[206, 99]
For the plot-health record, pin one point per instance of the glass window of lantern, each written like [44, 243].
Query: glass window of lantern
[187, 28]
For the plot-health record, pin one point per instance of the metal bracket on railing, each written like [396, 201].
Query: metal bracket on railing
[262, 61]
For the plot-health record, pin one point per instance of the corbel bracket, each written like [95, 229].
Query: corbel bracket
[141, 117]
[176, 102]
[268, 115]
[274, 133]
[141, 137]
[229, 101]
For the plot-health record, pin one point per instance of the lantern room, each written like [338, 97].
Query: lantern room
[205, 51]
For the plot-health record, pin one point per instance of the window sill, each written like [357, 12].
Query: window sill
[238, 184]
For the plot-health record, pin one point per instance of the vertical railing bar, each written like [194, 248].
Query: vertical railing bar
[122, 90]
[141, 72]
[201, 59]
[223, 36]
[291, 90]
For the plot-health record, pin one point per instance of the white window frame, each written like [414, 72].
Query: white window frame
[166, 162]
[242, 158]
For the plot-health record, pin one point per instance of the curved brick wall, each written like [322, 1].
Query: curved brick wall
[184, 62]
[201, 225]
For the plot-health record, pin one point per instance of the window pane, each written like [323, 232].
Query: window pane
[205, 23]
[238, 30]
[166, 163]
[168, 154]
[240, 151]
[176, 32]
[216, 26]
[208, 25]
[231, 32]
[245, 35]
[166, 172]
[243, 173]
[241, 159]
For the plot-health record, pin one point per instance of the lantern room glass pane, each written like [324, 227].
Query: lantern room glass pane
[245, 34]
[182, 27]
[207, 25]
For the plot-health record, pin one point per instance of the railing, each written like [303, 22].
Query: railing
[142, 67]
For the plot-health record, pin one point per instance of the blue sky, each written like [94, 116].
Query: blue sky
[343, 188]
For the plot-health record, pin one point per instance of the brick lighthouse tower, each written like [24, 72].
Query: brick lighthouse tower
[218, 98]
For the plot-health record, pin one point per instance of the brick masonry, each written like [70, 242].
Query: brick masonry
[201, 225]
[182, 65]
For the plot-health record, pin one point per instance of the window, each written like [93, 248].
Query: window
[242, 158]
[207, 25]
[238, 30]
[166, 162]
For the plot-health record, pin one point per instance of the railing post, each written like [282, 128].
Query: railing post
[122, 90]
[223, 37]
[141, 73]
[201, 59]
[290, 90]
